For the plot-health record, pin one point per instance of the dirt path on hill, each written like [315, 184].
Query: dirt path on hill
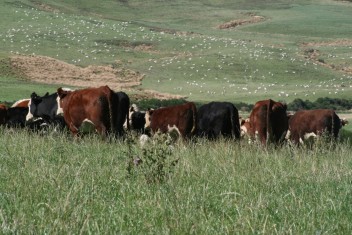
[251, 18]
[312, 53]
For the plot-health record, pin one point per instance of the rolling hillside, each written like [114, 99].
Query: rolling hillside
[239, 52]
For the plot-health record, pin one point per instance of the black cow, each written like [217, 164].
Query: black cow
[218, 118]
[16, 117]
[47, 108]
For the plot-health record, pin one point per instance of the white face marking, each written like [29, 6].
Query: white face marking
[29, 116]
[131, 110]
[243, 130]
[147, 120]
[59, 111]
[134, 107]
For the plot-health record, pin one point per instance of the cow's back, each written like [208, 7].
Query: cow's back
[21, 103]
[268, 121]
[183, 117]
[217, 118]
[314, 121]
[91, 104]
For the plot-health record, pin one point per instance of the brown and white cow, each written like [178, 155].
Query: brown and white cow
[94, 105]
[178, 118]
[312, 123]
[267, 122]
[3, 114]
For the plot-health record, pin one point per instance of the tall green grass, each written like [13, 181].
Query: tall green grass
[53, 184]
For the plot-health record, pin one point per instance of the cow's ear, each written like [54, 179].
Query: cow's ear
[46, 94]
[243, 121]
[36, 100]
[61, 93]
[34, 95]
[284, 105]
[151, 111]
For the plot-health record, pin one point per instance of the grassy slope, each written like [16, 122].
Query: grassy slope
[245, 64]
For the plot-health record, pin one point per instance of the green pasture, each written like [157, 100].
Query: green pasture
[187, 54]
[52, 184]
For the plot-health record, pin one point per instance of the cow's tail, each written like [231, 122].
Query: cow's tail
[336, 124]
[128, 126]
[128, 114]
[269, 128]
[235, 125]
[195, 119]
[112, 99]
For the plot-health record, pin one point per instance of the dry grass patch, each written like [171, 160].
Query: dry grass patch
[48, 70]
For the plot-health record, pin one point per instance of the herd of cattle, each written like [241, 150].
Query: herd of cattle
[109, 112]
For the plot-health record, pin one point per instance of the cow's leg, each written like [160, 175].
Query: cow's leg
[73, 129]
[101, 129]
[295, 138]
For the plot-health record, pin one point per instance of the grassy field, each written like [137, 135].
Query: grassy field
[50, 183]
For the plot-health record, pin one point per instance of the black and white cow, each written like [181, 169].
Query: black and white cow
[47, 108]
[218, 118]
[136, 120]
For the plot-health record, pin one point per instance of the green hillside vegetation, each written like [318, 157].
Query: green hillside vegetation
[181, 50]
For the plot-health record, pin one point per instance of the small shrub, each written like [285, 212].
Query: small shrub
[155, 160]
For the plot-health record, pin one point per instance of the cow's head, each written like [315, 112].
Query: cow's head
[134, 108]
[62, 93]
[344, 122]
[245, 126]
[148, 117]
[33, 106]
[41, 106]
